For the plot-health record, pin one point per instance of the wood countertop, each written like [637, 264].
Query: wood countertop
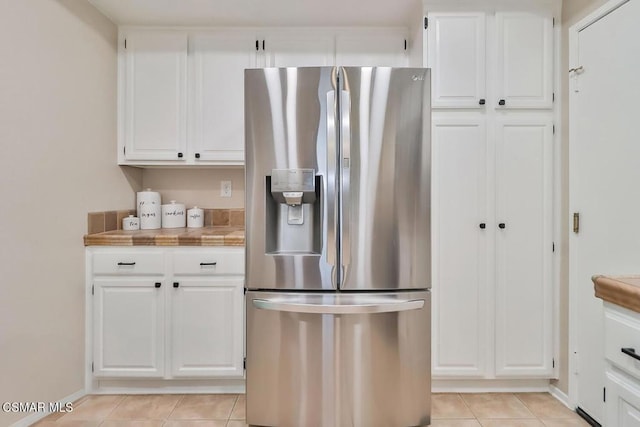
[620, 290]
[206, 236]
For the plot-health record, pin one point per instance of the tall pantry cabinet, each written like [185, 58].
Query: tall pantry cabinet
[493, 131]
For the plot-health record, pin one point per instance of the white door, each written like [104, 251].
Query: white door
[371, 49]
[219, 61]
[207, 327]
[461, 247]
[456, 44]
[128, 334]
[299, 50]
[605, 173]
[523, 230]
[155, 111]
[524, 76]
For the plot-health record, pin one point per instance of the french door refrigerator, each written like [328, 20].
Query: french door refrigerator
[338, 270]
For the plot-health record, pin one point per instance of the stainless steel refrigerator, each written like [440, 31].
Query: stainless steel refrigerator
[338, 270]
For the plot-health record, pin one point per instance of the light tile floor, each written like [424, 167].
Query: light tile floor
[227, 410]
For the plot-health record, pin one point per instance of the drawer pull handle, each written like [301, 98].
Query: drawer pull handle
[207, 263]
[176, 284]
[630, 352]
[126, 263]
[158, 284]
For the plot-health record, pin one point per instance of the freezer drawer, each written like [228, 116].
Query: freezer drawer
[338, 360]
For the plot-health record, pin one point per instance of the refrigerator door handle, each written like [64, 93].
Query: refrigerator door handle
[294, 307]
[331, 183]
[345, 159]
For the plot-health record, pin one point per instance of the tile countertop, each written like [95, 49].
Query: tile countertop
[620, 290]
[206, 236]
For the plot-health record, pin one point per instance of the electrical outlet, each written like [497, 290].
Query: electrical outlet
[225, 188]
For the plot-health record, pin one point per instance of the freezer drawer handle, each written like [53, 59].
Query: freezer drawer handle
[630, 352]
[386, 307]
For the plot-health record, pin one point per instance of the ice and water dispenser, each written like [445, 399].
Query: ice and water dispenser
[294, 215]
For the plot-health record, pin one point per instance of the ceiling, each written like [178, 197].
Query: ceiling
[296, 13]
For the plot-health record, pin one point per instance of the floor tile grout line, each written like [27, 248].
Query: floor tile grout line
[235, 402]
[173, 409]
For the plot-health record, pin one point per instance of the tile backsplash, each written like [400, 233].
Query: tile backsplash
[98, 222]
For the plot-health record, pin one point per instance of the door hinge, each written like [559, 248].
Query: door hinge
[553, 363]
[92, 290]
[262, 44]
[553, 129]
[576, 222]
[405, 44]
[125, 150]
[91, 366]
[604, 394]
[553, 97]
[257, 44]
[553, 249]
[426, 22]
[125, 43]
[553, 22]
[244, 364]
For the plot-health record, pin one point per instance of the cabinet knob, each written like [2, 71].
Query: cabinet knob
[483, 225]
[482, 101]
[502, 225]
[180, 155]
[158, 284]
[502, 102]
[197, 155]
[176, 284]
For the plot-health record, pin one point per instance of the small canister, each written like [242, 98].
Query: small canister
[173, 215]
[130, 223]
[195, 217]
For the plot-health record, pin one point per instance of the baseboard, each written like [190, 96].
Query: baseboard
[489, 386]
[37, 416]
[560, 395]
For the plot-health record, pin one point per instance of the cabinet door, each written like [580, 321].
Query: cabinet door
[207, 328]
[371, 49]
[299, 50]
[524, 78]
[219, 62]
[128, 334]
[460, 247]
[623, 401]
[456, 44]
[523, 248]
[155, 86]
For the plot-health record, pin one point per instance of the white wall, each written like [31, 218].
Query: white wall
[58, 161]
[197, 187]
[572, 12]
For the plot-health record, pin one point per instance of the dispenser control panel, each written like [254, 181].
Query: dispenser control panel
[293, 180]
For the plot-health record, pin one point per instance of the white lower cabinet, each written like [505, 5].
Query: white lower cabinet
[206, 324]
[181, 319]
[492, 247]
[128, 328]
[622, 376]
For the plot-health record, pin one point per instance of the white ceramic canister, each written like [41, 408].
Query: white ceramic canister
[130, 223]
[173, 215]
[195, 217]
[147, 197]
[150, 217]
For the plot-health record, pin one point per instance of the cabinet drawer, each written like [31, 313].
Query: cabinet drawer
[129, 263]
[208, 262]
[622, 332]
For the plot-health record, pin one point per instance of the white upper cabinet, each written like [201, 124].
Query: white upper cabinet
[154, 109]
[524, 60]
[372, 49]
[510, 53]
[219, 61]
[456, 44]
[299, 49]
[524, 247]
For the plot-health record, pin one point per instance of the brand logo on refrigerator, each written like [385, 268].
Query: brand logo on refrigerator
[416, 78]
